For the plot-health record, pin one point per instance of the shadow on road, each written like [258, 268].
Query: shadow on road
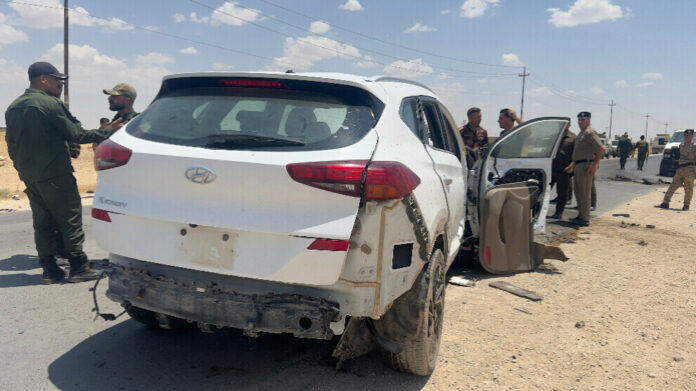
[127, 356]
[20, 279]
[20, 263]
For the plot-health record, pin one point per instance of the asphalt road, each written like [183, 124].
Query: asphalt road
[50, 340]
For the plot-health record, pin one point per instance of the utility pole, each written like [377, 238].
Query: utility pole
[66, 94]
[666, 124]
[611, 117]
[647, 116]
[523, 75]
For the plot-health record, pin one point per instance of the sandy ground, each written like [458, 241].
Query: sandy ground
[619, 315]
[11, 185]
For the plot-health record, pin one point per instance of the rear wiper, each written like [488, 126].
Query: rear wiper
[226, 140]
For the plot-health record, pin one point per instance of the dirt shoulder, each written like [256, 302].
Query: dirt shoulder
[620, 314]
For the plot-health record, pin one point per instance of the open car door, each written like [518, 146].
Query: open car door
[514, 180]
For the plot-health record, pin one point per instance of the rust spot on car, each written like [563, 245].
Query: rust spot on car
[352, 245]
[366, 249]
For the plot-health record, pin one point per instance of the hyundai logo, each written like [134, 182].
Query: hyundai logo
[200, 175]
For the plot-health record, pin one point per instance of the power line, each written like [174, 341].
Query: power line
[387, 42]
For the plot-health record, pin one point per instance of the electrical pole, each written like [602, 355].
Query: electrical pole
[611, 117]
[523, 75]
[66, 94]
[647, 116]
[666, 124]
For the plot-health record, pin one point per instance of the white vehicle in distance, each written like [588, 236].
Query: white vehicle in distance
[311, 204]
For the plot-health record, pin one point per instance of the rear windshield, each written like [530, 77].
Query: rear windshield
[266, 114]
[677, 137]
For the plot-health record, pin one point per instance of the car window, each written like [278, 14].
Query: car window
[677, 137]
[318, 115]
[408, 113]
[431, 116]
[535, 140]
[448, 127]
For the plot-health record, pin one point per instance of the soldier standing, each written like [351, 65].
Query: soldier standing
[558, 175]
[506, 120]
[39, 128]
[642, 147]
[121, 99]
[685, 172]
[587, 152]
[625, 147]
[474, 136]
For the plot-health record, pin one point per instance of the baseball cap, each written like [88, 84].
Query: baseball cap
[584, 114]
[40, 68]
[122, 89]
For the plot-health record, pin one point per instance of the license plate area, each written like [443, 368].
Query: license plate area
[208, 246]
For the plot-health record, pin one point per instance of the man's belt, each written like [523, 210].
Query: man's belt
[584, 161]
[687, 164]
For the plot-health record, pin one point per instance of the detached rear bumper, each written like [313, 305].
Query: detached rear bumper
[210, 303]
[668, 167]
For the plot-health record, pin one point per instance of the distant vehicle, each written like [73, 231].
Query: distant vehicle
[615, 148]
[657, 144]
[670, 156]
[607, 148]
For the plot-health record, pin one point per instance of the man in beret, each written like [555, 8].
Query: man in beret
[587, 152]
[39, 128]
[685, 172]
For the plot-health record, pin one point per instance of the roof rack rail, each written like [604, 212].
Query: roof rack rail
[398, 79]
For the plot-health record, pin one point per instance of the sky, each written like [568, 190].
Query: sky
[580, 54]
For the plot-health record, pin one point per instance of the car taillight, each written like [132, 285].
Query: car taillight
[110, 154]
[383, 180]
[329, 245]
[100, 214]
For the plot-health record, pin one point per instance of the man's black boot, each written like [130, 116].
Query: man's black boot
[80, 270]
[51, 272]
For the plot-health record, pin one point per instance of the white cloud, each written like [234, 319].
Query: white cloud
[231, 15]
[596, 90]
[366, 62]
[420, 28]
[9, 34]
[189, 50]
[476, 8]
[445, 12]
[154, 58]
[443, 76]
[620, 83]
[482, 80]
[221, 66]
[351, 5]
[538, 92]
[511, 59]
[652, 76]
[412, 68]
[50, 15]
[179, 18]
[301, 53]
[644, 84]
[586, 12]
[319, 27]
[193, 17]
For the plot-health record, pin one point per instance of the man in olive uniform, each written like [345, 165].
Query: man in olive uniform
[625, 147]
[474, 136]
[587, 152]
[121, 99]
[685, 172]
[506, 120]
[558, 175]
[642, 147]
[39, 128]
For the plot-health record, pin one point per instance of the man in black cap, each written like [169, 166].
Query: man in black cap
[587, 151]
[39, 128]
[685, 172]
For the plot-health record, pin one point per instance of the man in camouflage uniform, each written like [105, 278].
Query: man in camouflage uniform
[625, 147]
[561, 178]
[642, 147]
[121, 99]
[587, 152]
[685, 173]
[39, 128]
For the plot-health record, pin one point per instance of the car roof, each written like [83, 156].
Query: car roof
[384, 88]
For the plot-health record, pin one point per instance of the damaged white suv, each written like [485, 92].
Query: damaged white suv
[311, 204]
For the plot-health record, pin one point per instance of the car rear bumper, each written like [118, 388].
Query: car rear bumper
[198, 297]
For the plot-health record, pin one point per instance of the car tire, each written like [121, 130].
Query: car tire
[154, 320]
[420, 349]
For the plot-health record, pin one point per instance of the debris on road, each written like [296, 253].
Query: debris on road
[580, 324]
[664, 182]
[515, 290]
[622, 178]
[542, 251]
[647, 181]
[649, 226]
[621, 215]
[529, 313]
[15, 197]
[642, 243]
[461, 281]
[6, 210]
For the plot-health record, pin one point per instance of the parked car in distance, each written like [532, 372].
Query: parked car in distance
[670, 155]
[314, 204]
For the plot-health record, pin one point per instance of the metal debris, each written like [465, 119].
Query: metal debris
[642, 243]
[523, 311]
[621, 215]
[515, 290]
[649, 226]
[580, 324]
[461, 281]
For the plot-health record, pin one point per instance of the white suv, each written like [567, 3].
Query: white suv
[311, 204]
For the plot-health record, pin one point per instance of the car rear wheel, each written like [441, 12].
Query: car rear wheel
[421, 347]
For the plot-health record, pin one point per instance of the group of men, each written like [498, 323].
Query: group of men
[40, 129]
[475, 136]
[626, 147]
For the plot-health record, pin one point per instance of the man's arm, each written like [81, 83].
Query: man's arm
[595, 165]
[72, 129]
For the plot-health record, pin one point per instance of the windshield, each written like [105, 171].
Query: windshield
[271, 115]
[677, 137]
